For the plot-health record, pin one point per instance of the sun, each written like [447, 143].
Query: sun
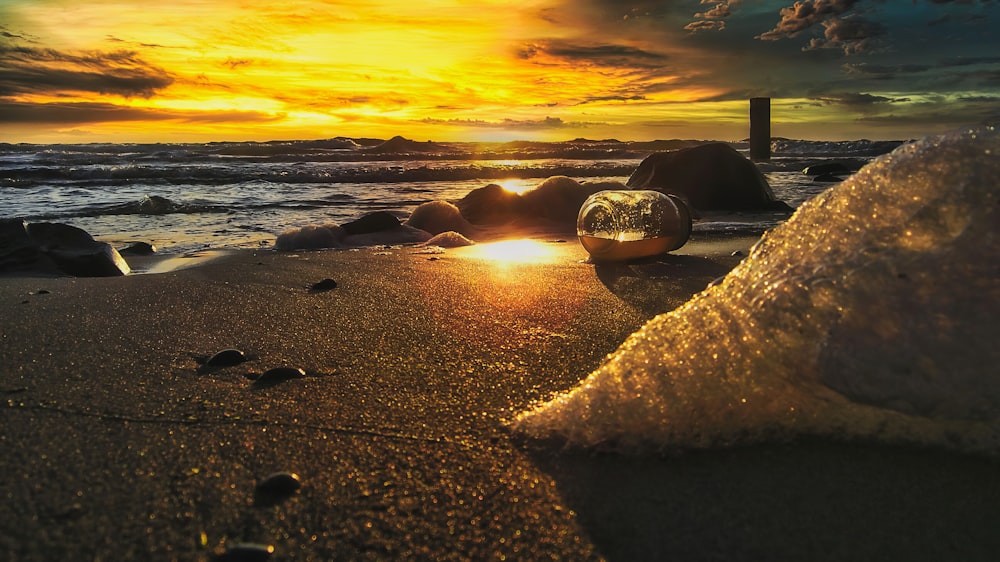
[518, 186]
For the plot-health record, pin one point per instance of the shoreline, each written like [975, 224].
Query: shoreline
[121, 445]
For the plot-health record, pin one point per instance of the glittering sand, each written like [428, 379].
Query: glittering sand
[118, 444]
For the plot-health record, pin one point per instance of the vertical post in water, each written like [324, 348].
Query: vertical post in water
[760, 129]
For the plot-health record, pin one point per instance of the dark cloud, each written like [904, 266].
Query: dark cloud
[854, 35]
[705, 25]
[883, 71]
[598, 99]
[521, 124]
[233, 64]
[618, 56]
[803, 15]
[857, 100]
[78, 113]
[28, 70]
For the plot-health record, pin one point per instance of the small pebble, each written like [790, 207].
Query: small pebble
[324, 285]
[226, 358]
[247, 552]
[279, 374]
[280, 483]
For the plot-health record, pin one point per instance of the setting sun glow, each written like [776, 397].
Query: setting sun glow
[490, 70]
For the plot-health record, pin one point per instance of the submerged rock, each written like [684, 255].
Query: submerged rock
[709, 177]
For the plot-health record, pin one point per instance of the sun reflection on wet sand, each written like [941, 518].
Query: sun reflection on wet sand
[512, 252]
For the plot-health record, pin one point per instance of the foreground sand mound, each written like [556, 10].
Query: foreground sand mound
[873, 312]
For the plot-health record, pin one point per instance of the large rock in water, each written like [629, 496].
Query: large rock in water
[56, 249]
[873, 312]
[710, 177]
[555, 201]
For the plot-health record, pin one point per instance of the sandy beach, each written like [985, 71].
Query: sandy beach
[120, 444]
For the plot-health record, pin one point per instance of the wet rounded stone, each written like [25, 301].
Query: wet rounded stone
[246, 552]
[324, 285]
[276, 488]
[279, 375]
[281, 483]
[226, 358]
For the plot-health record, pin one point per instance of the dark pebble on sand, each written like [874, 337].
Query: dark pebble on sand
[278, 375]
[324, 285]
[276, 488]
[226, 358]
[246, 553]
[280, 484]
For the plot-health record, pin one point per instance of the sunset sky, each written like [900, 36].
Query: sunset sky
[198, 70]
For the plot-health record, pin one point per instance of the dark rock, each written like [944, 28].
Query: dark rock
[324, 285]
[557, 199]
[828, 178]
[830, 168]
[402, 145]
[54, 248]
[709, 177]
[246, 552]
[372, 222]
[138, 249]
[436, 217]
[278, 375]
[491, 204]
[279, 484]
[226, 358]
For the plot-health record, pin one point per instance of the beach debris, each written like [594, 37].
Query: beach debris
[226, 358]
[278, 375]
[276, 488]
[246, 552]
[324, 285]
[709, 177]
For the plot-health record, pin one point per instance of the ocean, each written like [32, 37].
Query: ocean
[191, 197]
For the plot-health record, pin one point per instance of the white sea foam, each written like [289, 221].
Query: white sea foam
[873, 312]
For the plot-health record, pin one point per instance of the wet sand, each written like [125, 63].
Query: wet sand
[120, 445]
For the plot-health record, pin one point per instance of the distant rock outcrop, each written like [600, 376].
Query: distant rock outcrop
[400, 145]
[56, 249]
[709, 177]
